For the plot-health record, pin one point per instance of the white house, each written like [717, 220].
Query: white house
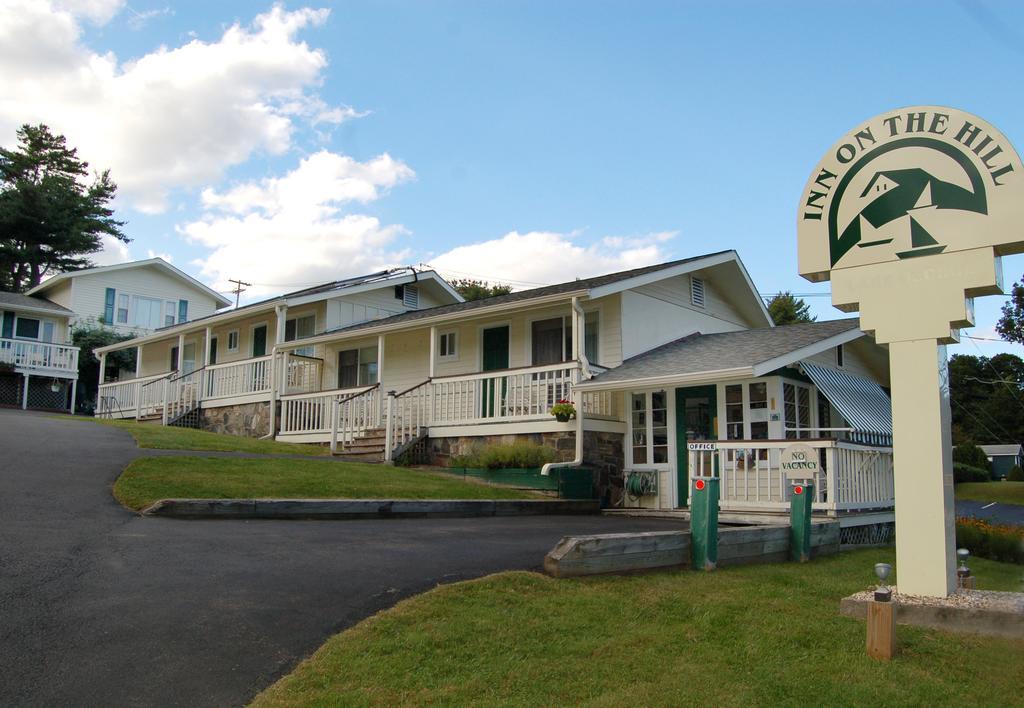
[38, 366]
[132, 298]
[653, 357]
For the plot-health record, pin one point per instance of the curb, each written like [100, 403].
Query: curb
[333, 509]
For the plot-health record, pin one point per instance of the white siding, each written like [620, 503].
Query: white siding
[649, 322]
[89, 292]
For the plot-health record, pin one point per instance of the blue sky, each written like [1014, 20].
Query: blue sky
[530, 142]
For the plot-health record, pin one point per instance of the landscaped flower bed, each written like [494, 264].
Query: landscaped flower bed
[996, 541]
[519, 465]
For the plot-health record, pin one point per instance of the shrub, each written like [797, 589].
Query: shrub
[1016, 474]
[520, 454]
[967, 473]
[970, 454]
[995, 541]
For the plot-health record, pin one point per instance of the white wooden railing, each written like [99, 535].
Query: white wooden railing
[303, 374]
[238, 378]
[39, 355]
[850, 476]
[408, 415]
[312, 413]
[120, 398]
[507, 395]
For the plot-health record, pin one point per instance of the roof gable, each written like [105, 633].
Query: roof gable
[34, 304]
[158, 263]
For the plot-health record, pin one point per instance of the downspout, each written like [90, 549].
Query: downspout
[577, 398]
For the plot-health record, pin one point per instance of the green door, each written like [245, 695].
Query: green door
[259, 341]
[495, 357]
[696, 419]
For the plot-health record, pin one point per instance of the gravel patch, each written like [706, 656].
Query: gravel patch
[961, 599]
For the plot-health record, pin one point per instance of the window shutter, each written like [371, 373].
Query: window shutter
[108, 307]
[182, 311]
[697, 291]
[8, 326]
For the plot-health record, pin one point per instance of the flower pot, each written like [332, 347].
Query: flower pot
[562, 417]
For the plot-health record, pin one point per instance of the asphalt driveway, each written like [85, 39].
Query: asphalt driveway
[101, 607]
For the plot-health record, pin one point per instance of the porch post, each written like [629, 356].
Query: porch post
[74, 391]
[138, 361]
[103, 368]
[282, 318]
[433, 352]
[181, 353]
[207, 349]
[380, 359]
[24, 394]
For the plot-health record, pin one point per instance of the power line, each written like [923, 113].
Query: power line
[982, 424]
[240, 286]
[998, 374]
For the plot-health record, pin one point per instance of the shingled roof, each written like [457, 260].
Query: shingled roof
[26, 301]
[699, 353]
[525, 295]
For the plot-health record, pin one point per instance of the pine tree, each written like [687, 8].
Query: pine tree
[51, 219]
[785, 308]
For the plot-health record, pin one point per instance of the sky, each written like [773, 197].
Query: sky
[523, 142]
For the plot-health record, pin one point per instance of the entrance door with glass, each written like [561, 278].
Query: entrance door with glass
[696, 420]
[495, 357]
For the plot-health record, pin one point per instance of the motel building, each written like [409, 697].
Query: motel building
[655, 359]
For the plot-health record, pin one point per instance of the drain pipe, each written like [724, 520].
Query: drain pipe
[579, 320]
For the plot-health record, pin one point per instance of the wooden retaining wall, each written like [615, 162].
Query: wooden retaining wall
[633, 552]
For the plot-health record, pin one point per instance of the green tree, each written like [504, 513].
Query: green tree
[51, 219]
[1011, 325]
[785, 308]
[987, 398]
[479, 289]
[89, 336]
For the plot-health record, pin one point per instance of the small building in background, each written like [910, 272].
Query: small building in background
[1003, 458]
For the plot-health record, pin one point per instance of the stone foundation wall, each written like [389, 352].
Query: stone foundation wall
[249, 420]
[603, 452]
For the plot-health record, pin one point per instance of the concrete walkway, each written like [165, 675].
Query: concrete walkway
[99, 606]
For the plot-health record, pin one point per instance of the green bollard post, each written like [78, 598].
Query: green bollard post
[704, 523]
[800, 521]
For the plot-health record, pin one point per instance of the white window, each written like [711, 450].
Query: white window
[146, 312]
[448, 345]
[697, 291]
[122, 309]
[796, 400]
[746, 411]
[300, 328]
[233, 340]
[591, 336]
[649, 428]
[357, 367]
[170, 313]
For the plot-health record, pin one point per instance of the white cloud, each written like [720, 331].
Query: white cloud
[544, 257]
[138, 20]
[112, 253]
[285, 232]
[175, 117]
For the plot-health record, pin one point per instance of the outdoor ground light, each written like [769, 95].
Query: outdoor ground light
[962, 555]
[884, 592]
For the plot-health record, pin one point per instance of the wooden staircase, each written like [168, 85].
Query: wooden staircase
[368, 446]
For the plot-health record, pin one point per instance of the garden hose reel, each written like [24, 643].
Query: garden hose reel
[641, 483]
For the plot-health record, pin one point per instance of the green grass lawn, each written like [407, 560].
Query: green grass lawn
[150, 479]
[759, 635]
[1003, 492]
[166, 437]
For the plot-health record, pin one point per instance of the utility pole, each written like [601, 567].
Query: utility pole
[240, 286]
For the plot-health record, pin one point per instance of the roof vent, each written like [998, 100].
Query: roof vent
[697, 291]
[411, 297]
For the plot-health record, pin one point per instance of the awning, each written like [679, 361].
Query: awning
[862, 402]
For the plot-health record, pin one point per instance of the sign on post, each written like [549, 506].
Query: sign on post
[799, 461]
[907, 215]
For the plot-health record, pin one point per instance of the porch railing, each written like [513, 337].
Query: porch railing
[507, 395]
[39, 355]
[850, 476]
[312, 413]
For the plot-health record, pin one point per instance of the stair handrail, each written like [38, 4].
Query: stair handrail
[345, 424]
[406, 416]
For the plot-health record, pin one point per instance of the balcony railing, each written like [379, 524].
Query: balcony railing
[850, 476]
[42, 356]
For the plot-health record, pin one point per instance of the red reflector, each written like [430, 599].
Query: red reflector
[699, 485]
[798, 489]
